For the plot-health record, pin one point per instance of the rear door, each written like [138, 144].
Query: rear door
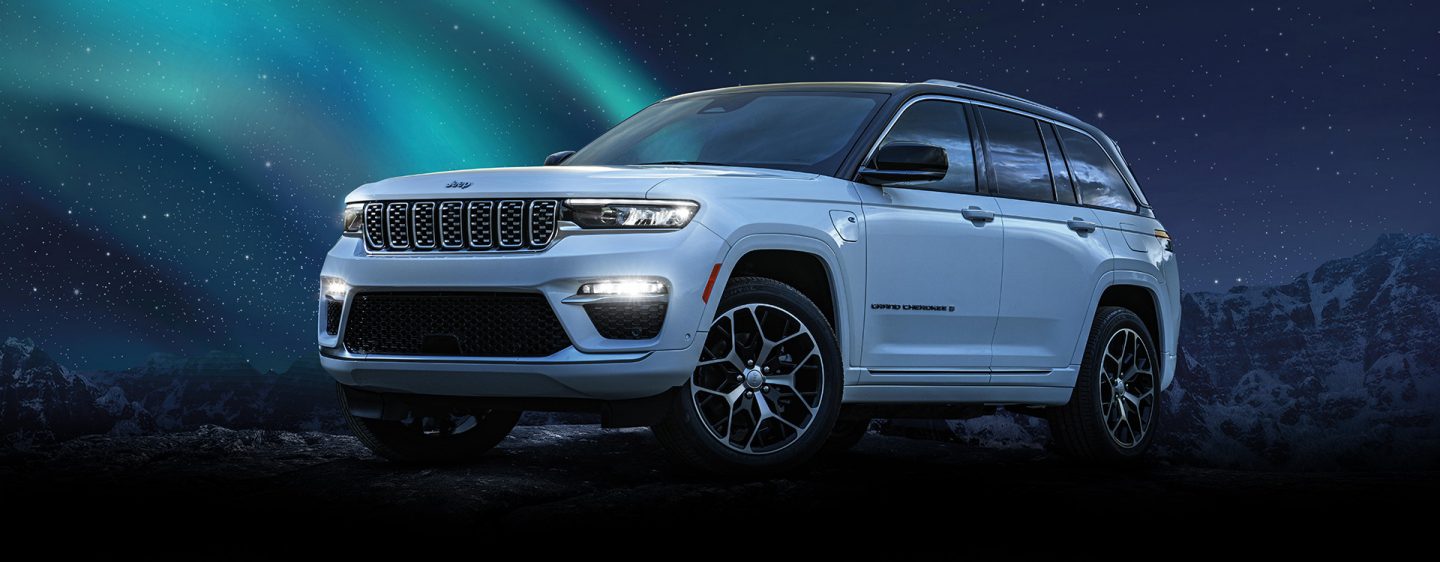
[933, 258]
[1054, 251]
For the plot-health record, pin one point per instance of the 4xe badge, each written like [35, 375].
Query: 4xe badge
[458, 185]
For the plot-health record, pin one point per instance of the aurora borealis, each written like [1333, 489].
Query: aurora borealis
[171, 172]
[176, 167]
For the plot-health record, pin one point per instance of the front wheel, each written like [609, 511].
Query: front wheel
[766, 391]
[432, 437]
[1113, 414]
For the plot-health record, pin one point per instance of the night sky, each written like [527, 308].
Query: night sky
[172, 172]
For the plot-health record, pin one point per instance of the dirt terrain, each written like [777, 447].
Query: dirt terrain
[226, 489]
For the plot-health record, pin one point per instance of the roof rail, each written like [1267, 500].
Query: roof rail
[1014, 97]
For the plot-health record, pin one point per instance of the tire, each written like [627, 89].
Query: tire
[716, 422]
[1091, 428]
[453, 440]
[846, 434]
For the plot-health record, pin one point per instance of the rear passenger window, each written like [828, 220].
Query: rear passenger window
[1064, 191]
[1017, 155]
[942, 124]
[1099, 183]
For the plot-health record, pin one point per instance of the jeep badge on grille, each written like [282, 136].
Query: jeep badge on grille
[458, 185]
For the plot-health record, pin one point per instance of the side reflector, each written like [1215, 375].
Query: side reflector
[710, 285]
[1162, 234]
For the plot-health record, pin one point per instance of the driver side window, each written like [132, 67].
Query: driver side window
[943, 124]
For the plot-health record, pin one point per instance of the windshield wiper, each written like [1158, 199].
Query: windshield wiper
[685, 163]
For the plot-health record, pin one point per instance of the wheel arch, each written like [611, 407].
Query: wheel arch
[818, 275]
[1141, 294]
[1138, 299]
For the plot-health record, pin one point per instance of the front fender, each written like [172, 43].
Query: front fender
[823, 249]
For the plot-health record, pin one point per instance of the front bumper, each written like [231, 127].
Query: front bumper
[593, 367]
[568, 374]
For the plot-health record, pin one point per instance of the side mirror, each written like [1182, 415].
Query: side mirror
[904, 162]
[558, 157]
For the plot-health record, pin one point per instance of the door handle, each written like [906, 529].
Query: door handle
[1078, 224]
[976, 214]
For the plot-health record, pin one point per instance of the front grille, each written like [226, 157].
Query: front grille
[627, 320]
[469, 225]
[332, 316]
[490, 324]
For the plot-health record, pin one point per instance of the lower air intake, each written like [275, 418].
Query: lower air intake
[490, 324]
[332, 316]
[627, 320]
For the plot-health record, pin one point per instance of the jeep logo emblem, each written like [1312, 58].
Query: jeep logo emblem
[458, 185]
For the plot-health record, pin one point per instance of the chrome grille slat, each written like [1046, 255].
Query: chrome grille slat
[542, 221]
[452, 225]
[467, 225]
[511, 221]
[375, 226]
[423, 225]
[480, 221]
[397, 226]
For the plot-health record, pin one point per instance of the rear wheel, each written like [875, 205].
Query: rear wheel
[766, 392]
[432, 437]
[1114, 411]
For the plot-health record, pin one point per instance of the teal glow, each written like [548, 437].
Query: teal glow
[210, 144]
[436, 90]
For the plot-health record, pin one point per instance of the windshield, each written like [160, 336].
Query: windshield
[800, 131]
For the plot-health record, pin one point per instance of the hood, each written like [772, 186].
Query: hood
[548, 181]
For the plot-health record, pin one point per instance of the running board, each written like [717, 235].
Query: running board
[931, 377]
[966, 394]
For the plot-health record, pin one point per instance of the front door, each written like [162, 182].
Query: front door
[934, 256]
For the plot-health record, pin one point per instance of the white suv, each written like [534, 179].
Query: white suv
[755, 272]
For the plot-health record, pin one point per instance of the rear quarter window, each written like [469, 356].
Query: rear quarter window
[1096, 178]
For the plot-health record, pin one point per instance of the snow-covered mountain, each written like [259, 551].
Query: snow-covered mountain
[1340, 367]
[224, 389]
[42, 401]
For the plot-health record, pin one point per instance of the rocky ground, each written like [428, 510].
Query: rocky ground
[228, 490]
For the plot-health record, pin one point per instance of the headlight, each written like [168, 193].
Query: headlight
[353, 217]
[629, 213]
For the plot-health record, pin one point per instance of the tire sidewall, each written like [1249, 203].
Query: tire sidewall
[1113, 323]
[808, 444]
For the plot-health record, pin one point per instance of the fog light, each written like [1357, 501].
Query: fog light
[623, 288]
[334, 288]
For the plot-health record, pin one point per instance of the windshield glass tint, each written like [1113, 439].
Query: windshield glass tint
[800, 131]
